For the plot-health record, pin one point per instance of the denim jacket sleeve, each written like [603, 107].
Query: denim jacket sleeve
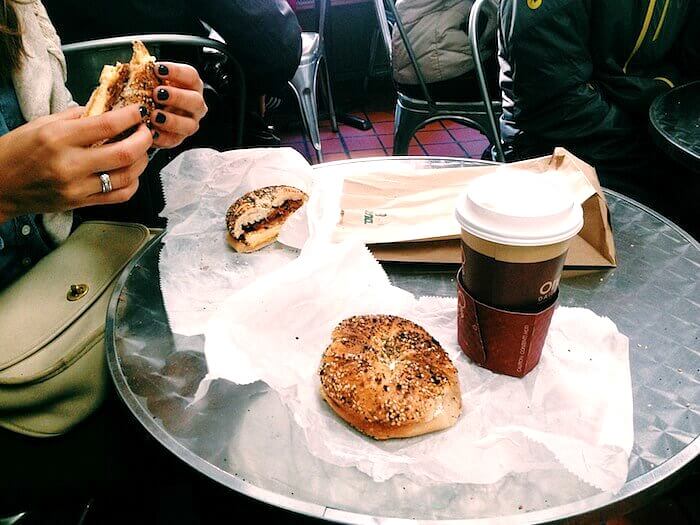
[22, 244]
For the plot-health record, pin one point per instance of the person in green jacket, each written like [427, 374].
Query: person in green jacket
[582, 74]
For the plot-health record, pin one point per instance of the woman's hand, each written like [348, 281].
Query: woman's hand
[182, 101]
[49, 165]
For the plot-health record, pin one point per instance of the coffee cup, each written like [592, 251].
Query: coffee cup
[516, 230]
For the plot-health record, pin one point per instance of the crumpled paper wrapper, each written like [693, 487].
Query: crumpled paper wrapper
[573, 412]
[198, 269]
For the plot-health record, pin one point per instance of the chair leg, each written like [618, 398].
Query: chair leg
[326, 86]
[304, 86]
[406, 123]
[310, 111]
[372, 59]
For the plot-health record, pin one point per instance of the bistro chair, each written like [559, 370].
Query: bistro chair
[411, 114]
[313, 56]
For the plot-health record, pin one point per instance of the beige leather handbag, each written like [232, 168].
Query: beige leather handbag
[53, 371]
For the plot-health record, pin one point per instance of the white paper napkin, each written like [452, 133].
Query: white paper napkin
[198, 270]
[573, 412]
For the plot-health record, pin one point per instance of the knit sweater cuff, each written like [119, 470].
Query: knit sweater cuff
[58, 225]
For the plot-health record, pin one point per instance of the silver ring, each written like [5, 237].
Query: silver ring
[106, 182]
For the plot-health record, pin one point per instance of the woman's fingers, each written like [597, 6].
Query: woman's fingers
[113, 197]
[185, 99]
[69, 114]
[122, 177]
[181, 96]
[119, 154]
[165, 139]
[90, 130]
[172, 123]
[180, 75]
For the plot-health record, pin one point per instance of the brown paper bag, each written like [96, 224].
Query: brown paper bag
[408, 216]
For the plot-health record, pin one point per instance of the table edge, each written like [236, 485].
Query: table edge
[660, 132]
[597, 504]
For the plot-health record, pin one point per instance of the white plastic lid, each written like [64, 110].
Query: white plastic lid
[519, 208]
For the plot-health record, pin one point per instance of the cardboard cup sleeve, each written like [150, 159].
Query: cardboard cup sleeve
[504, 342]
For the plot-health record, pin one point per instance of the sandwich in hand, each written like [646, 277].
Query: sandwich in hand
[254, 221]
[124, 84]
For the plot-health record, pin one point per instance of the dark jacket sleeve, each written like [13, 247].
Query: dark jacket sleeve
[690, 44]
[549, 71]
[264, 36]
[550, 95]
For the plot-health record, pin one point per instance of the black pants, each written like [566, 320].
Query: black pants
[463, 88]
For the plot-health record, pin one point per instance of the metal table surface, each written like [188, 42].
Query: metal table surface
[674, 118]
[238, 435]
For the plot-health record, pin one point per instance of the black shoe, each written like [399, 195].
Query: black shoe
[262, 138]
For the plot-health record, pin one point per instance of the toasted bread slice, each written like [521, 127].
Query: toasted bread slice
[112, 82]
[124, 84]
[141, 82]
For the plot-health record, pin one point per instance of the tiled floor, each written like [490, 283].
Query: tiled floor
[445, 139]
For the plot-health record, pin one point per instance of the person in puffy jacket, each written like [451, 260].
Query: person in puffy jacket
[583, 73]
[437, 31]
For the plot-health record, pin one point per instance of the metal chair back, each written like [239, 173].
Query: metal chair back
[491, 9]
[322, 7]
[391, 7]
[412, 114]
[385, 25]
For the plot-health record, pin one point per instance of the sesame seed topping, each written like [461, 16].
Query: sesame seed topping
[386, 370]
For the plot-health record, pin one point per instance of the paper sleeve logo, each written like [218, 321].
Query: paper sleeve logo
[547, 290]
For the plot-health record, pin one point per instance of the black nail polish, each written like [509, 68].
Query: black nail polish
[156, 135]
[160, 117]
[149, 125]
[162, 94]
[143, 110]
[163, 70]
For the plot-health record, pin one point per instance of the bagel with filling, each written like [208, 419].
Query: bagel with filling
[124, 84]
[389, 378]
[254, 221]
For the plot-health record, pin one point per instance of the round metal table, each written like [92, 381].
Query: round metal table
[238, 435]
[674, 118]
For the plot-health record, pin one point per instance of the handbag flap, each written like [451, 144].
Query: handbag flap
[35, 309]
